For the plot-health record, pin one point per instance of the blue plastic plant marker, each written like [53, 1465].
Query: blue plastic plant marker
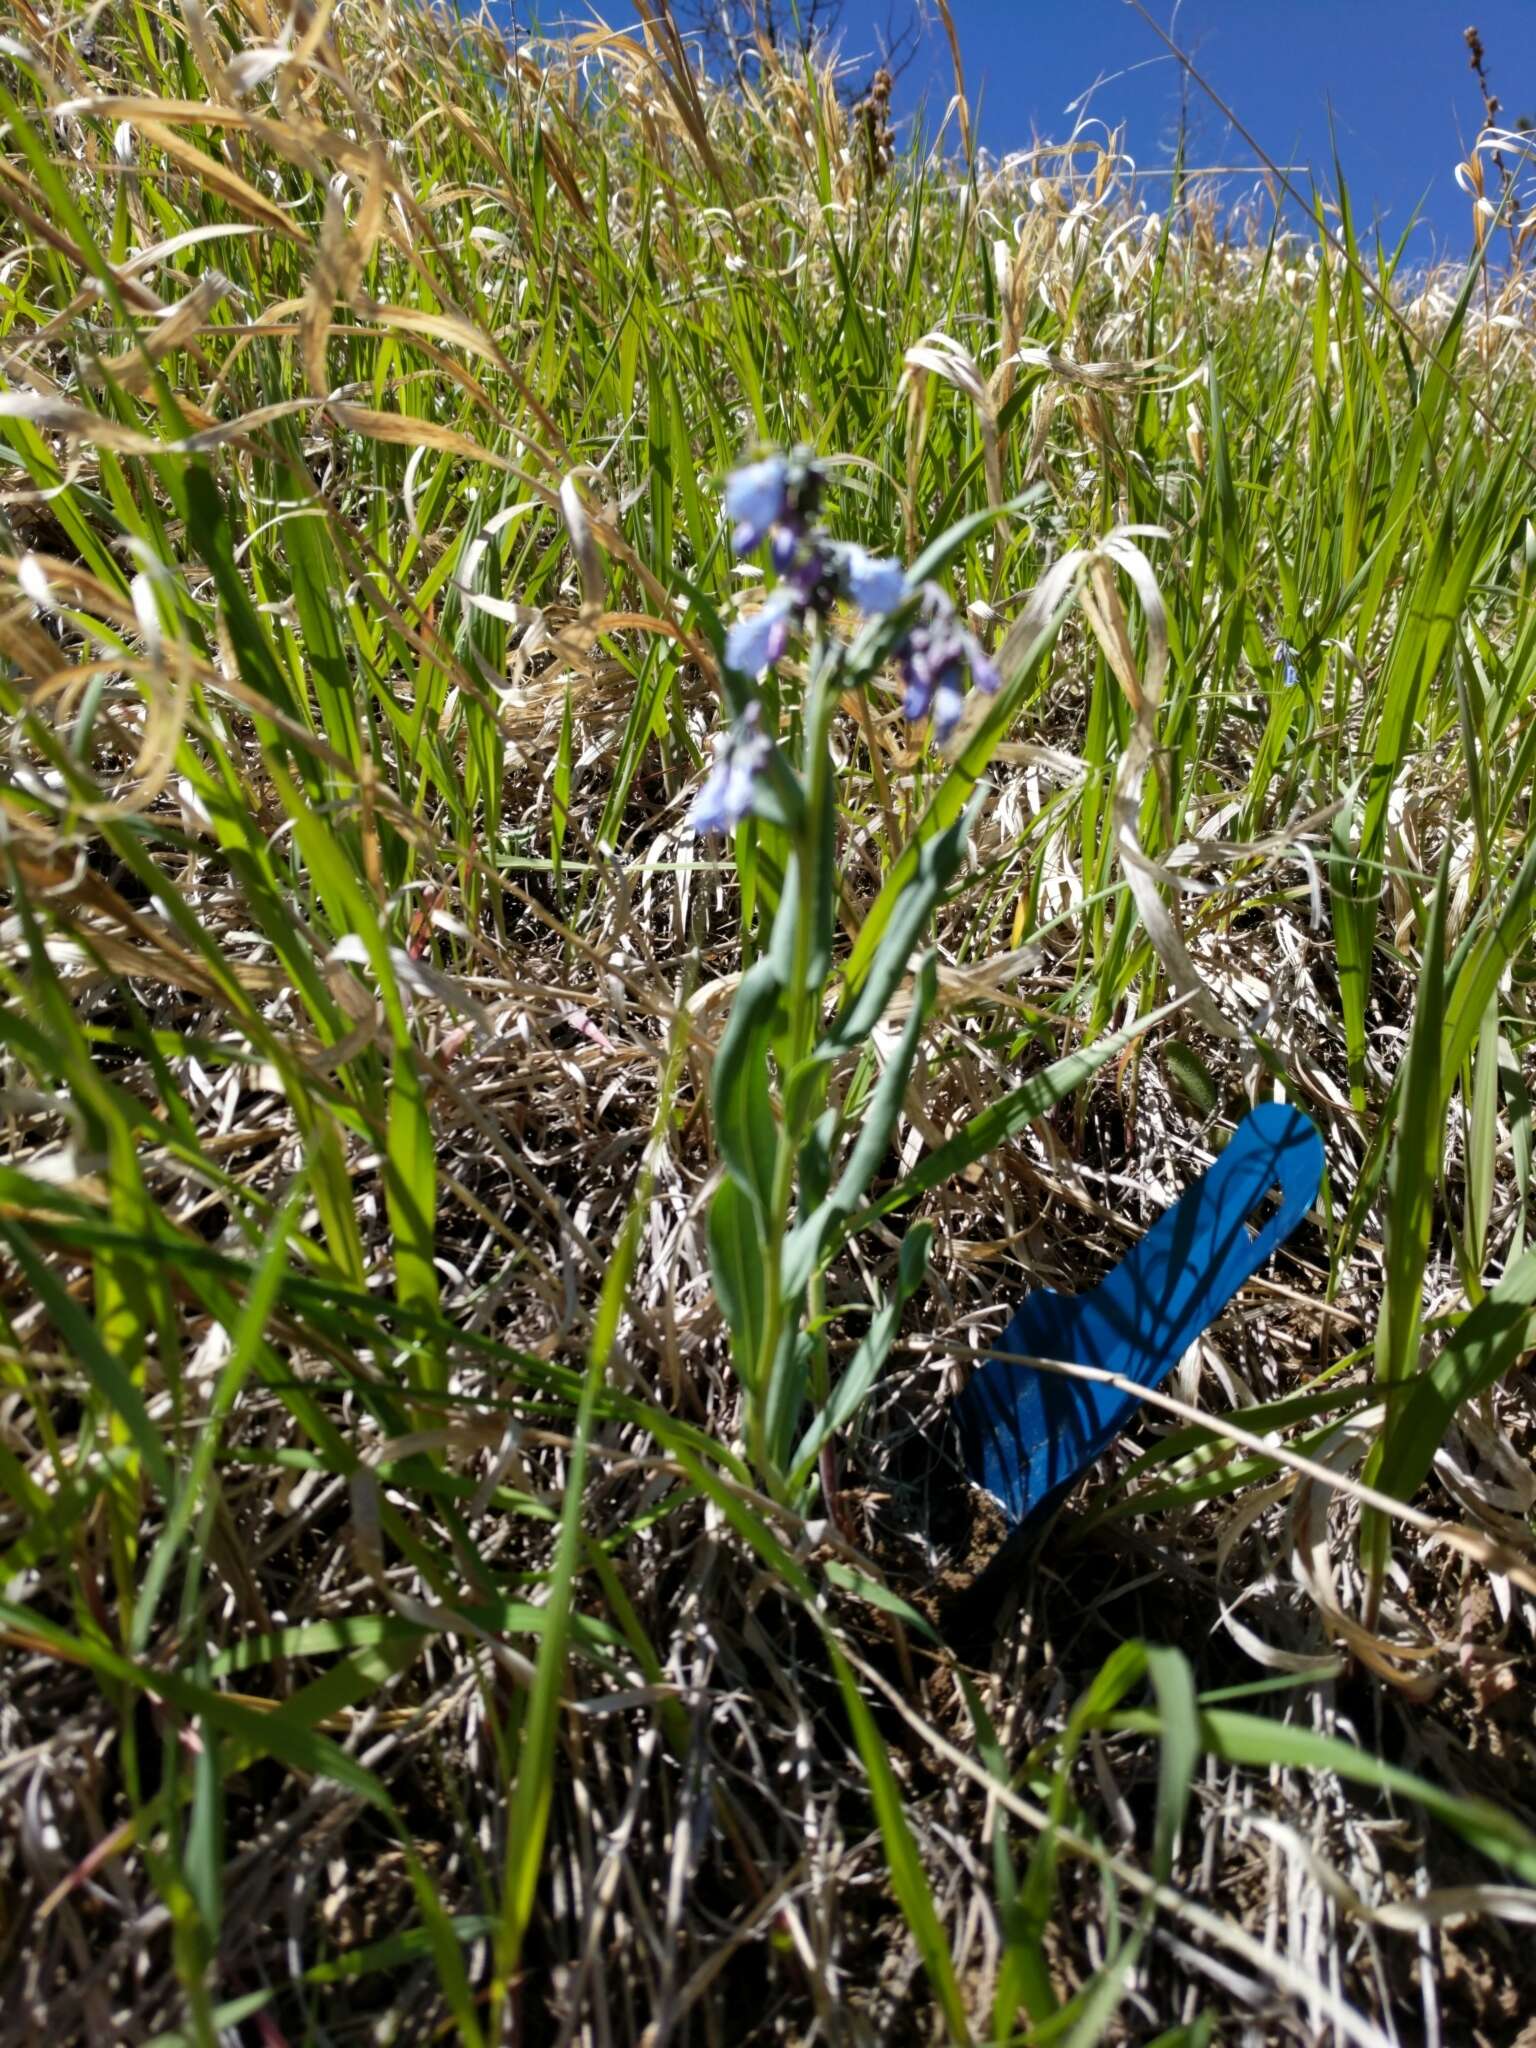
[1028, 1434]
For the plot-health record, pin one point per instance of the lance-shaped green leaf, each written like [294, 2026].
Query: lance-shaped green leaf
[1014, 1112]
[863, 1368]
[1252, 1740]
[1494, 1336]
[804, 1246]
[1413, 1172]
[937, 863]
[737, 1268]
[746, 1129]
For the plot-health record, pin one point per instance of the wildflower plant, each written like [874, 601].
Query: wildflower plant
[796, 1165]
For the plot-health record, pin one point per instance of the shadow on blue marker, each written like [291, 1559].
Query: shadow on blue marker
[1028, 1434]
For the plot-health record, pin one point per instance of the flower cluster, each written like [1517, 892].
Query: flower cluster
[933, 659]
[776, 500]
[725, 796]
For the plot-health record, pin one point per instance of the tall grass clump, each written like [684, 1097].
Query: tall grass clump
[653, 761]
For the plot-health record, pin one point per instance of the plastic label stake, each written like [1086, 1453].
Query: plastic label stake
[1028, 1434]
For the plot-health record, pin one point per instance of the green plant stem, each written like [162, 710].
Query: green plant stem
[804, 1007]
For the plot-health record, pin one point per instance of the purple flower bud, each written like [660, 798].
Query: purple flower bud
[983, 669]
[785, 545]
[755, 643]
[918, 699]
[813, 577]
[948, 703]
[725, 795]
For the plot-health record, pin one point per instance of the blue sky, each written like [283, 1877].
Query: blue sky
[1395, 72]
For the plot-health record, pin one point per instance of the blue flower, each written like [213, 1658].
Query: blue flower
[725, 796]
[757, 499]
[773, 499]
[876, 586]
[755, 643]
